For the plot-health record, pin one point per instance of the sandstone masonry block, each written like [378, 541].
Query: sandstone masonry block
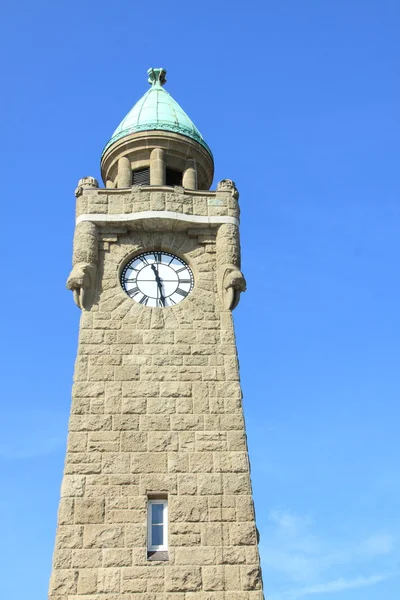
[103, 536]
[185, 534]
[86, 558]
[154, 423]
[117, 557]
[186, 422]
[118, 462]
[66, 511]
[237, 483]
[196, 556]
[178, 463]
[175, 390]
[140, 389]
[108, 580]
[87, 581]
[209, 484]
[70, 536]
[183, 579]
[158, 482]
[149, 462]
[188, 509]
[251, 577]
[243, 534]
[77, 441]
[125, 422]
[89, 422]
[136, 536]
[89, 511]
[73, 485]
[64, 581]
[62, 559]
[212, 534]
[213, 578]
[160, 441]
[200, 463]
[134, 405]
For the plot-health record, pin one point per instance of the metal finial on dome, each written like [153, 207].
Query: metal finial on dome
[157, 76]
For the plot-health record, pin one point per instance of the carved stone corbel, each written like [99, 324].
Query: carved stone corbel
[86, 183]
[231, 281]
[227, 185]
[82, 279]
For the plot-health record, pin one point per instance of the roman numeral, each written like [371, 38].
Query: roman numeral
[184, 281]
[161, 301]
[133, 291]
[128, 280]
[144, 300]
[181, 269]
[181, 292]
[144, 260]
[157, 256]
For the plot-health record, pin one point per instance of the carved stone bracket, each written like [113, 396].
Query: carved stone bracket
[227, 185]
[81, 282]
[82, 279]
[86, 183]
[231, 281]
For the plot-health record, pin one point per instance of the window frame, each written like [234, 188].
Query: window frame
[150, 503]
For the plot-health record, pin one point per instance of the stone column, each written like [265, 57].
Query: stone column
[109, 184]
[124, 173]
[157, 167]
[189, 180]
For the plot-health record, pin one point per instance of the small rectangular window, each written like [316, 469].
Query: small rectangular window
[157, 526]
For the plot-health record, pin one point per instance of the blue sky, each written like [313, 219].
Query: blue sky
[298, 100]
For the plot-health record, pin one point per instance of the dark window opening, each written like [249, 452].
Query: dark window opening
[173, 177]
[141, 177]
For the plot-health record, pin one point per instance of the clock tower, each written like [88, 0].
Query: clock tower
[156, 500]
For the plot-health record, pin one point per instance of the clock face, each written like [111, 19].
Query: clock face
[157, 279]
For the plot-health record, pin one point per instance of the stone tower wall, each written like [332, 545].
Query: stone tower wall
[156, 409]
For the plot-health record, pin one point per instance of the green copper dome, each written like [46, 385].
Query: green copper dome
[157, 110]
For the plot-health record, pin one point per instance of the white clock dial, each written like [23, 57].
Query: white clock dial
[157, 279]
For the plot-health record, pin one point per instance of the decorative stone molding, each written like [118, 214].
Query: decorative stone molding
[154, 215]
[86, 183]
[82, 279]
[227, 185]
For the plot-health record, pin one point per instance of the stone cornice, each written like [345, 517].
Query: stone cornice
[103, 219]
[155, 188]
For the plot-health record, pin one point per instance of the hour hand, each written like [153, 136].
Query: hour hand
[162, 297]
[159, 283]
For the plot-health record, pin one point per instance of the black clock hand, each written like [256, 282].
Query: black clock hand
[159, 283]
